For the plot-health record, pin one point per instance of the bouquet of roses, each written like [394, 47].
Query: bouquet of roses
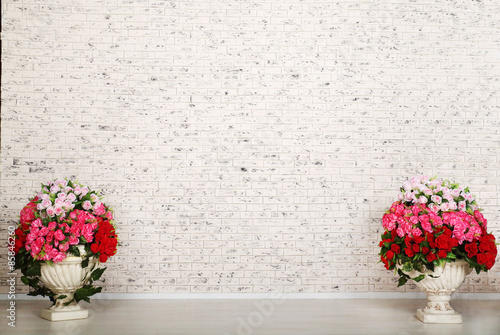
[434, 222]
[63, 219]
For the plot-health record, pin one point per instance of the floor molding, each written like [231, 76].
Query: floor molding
[272, 296]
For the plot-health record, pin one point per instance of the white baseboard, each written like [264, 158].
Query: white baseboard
[242, 296]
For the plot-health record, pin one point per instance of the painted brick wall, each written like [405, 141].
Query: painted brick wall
[250, 146]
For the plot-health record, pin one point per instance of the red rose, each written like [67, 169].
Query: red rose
[490, 262]
[471, 249]
[447, 232]
[443, 242]
[389, 254]
[396, 248]
[94, 247]
[418, 239]
[430, 237]
[485, 246]
[482, 258]
[103, 258]
[442, 254]
[431, 257]
[408, 241]
[415, 248]
[425, 250]
[409, 252]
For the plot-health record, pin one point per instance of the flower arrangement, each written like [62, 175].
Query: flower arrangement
[434, 222]
[62, 217]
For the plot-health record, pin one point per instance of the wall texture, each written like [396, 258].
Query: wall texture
[250, 146]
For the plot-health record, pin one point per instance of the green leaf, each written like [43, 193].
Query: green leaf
[402, 281]
[407, 267]
[25, 280]
[85, 292]
[97, 273]
[85, 262]
[75, 251]
[419, 278]
[34, 270]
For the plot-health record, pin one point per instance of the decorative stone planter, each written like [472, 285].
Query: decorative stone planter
[439, 286]
[64, 278]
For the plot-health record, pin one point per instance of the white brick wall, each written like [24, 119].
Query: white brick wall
[250, 146]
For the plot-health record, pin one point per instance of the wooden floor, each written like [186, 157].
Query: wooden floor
[255, 317]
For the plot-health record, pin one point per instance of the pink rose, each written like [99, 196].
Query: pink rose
[44, 231]
[99, 209]
[462, 205]
[422, 199]
[36, 224]
[36, 246]
[59, 235]
[416, 232]
[64, 247]
[109, 215]
[87, 205]
[73, 240]
[445, 206]
[60, 256]
[400, 232]
[88, 233]
[50, 237]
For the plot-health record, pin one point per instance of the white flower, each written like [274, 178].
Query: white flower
[427, 191]
[54, 189]
[87, 205]
[436, 199]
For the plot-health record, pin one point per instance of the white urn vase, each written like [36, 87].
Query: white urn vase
[439, 286]
[64, 278]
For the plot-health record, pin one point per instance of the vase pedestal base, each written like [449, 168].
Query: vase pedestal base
[426, 317]
[63, 314]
